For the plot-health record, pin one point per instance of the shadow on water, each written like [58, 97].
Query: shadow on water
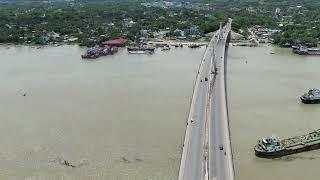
[125, 159]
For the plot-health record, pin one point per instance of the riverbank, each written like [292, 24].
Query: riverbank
[37, 45]
[175, 42]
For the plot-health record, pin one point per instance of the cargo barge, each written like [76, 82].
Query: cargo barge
[273, 147]
[311, 97]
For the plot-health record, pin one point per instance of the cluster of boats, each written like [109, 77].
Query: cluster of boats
[273, 147]
[96, 52]
[302, 50]
[143, 49]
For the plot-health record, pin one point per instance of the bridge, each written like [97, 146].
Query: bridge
[207, 153]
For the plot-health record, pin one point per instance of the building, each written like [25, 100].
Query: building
[52, 35]
[128, 22]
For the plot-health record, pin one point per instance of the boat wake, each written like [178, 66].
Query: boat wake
[292, 158]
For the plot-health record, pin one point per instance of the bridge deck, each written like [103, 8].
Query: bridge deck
[207, 126]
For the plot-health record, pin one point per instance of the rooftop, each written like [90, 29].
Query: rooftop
[117, 41]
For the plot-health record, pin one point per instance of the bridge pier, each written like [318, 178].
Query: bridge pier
[228, 39]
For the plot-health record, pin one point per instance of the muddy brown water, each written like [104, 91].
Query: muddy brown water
[123, 117]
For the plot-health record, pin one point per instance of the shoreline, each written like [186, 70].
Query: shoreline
[153, 41]
[38, 45]
[174, 42]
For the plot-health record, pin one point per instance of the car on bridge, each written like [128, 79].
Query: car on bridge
[221, 147]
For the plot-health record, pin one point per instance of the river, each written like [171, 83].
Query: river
[264, 92]
[123, 117]
[119, 117]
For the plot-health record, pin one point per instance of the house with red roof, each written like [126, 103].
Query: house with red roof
[116, 42]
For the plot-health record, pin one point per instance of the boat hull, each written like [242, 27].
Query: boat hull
[131, 49]
[286, 152]
[308, 101]
[196, 46]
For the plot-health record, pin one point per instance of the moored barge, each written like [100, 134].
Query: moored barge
[132, 49]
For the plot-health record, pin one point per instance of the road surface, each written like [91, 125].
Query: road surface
[220, 154]
[207, 125]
